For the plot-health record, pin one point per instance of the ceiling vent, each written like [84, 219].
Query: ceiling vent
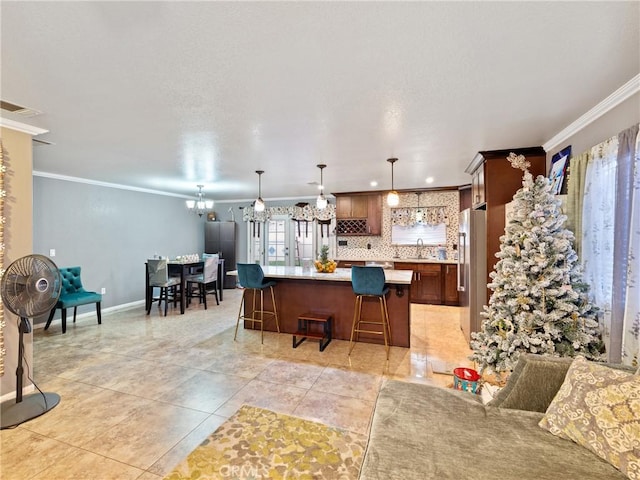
[17, 109]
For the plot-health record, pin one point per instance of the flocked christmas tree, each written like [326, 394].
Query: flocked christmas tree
[539, 302]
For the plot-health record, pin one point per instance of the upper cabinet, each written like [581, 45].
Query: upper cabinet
[494, 181]
[477, 187]
[359, 214]
[352, 206]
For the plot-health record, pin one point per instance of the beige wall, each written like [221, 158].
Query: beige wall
[18, 238]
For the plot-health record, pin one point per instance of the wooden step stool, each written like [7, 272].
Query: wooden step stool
[307, 320]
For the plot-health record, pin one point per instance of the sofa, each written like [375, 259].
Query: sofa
[423, 432]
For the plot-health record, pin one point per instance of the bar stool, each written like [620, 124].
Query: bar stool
[369, 282]
[251, 277]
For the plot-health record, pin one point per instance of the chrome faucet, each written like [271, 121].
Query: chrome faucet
[419, 247]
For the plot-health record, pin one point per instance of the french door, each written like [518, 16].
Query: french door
[284, 242]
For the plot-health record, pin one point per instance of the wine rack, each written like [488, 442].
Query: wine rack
[352, 227]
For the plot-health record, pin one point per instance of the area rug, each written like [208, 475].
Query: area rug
[260, 444]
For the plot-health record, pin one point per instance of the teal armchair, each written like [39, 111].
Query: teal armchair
[73, 294]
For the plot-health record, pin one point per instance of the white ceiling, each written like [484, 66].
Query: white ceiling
[166, 95]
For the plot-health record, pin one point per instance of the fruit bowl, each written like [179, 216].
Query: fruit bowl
[326, 267]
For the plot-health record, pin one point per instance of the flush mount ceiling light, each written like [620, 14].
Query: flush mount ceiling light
[392, 197]
[321, 201]
[259, 204]
[200, 205]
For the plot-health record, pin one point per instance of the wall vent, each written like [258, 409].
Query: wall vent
[18, 110]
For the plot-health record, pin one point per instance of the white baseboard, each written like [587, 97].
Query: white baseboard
[12, 395]
[115, 308]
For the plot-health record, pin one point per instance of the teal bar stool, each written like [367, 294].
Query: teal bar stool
[251, 277]
[369, 282]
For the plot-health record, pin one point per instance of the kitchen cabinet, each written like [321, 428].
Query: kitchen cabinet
[374, 214]
[477, 187]
[494, 183]
[358, 214]
[429, 283]
[450, 284]
[220, 237]
[350, 263]
[426, 284]
[355, 206]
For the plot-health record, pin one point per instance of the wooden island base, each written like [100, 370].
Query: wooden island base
[296, 296]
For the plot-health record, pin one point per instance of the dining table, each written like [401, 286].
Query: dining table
[183, 270]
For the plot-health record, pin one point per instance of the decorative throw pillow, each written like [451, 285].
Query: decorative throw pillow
[533, 384]
[599, 408]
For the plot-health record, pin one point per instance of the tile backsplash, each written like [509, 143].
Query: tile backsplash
[380, 247]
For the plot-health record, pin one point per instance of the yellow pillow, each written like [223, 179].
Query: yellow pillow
[599, 408]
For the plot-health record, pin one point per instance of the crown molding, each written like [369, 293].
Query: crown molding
[616, 98]
[87, 181]
[21, 127]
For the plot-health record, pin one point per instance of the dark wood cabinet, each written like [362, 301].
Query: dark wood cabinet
[465, 197]
[374, 214]
[429, 283]
[350, 263]
[494, 183]
[359, 214]
[477, 188]
[450, 284]
[220, 237]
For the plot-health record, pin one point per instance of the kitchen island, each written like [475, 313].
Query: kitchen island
[300, 291]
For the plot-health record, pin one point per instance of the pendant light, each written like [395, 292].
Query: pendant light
[200, 205]
[393, 198]
[321, 201]
[259, 204]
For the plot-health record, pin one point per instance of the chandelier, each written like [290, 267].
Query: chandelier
[200, 205]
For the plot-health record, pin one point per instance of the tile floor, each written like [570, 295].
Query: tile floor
[140, 392]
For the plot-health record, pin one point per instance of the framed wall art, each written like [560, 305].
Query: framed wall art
[559, 170]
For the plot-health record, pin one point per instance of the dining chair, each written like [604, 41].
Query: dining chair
[158, 275]
[369, 282]
[251, 277]
[73, 294]
[206, 282]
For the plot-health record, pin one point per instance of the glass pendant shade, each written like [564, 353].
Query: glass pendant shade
[321, 202]
[393, 199]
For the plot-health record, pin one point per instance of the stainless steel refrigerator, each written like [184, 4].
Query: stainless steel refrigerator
[472, 269]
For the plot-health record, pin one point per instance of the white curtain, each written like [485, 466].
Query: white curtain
[598, 228]
[631, 333]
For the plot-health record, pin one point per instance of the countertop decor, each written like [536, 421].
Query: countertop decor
[323, 264]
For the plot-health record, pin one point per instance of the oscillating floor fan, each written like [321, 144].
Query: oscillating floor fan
[30, 287]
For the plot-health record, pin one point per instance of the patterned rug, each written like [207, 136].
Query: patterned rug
[258, 444]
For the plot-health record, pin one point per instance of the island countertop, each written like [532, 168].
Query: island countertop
[394, 277]
[297, 292]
